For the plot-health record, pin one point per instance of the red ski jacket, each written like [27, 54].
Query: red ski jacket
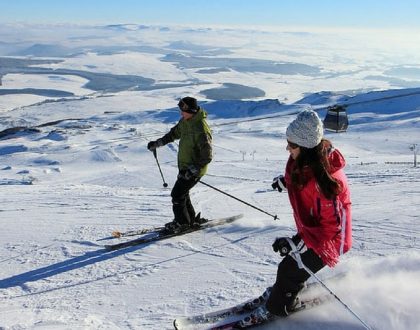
[323, 224]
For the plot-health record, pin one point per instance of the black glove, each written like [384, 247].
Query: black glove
[190, 173]
[153, 145]
[282, 245]
[279, 183]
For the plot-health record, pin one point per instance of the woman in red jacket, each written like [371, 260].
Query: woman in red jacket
[320, 199]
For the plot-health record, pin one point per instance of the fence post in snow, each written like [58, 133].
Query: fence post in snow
[253, 155]
[413, 148]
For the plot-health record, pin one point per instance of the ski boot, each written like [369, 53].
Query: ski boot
[292, 307]
[174, 227]
[198, 221]
[249, 306]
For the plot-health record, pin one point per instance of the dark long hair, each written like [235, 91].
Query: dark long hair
[315, 161]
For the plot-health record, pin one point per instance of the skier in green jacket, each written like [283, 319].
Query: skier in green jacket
[194, 154]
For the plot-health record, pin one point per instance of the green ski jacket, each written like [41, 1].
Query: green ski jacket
[195, 140]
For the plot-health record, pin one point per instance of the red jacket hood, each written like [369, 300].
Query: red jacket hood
[336, 160]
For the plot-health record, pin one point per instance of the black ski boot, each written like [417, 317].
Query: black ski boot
[251, 305]
[174, 227]
[198, 221]
[295, 304]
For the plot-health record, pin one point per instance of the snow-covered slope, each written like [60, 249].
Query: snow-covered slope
[78, 168]
[69, 184]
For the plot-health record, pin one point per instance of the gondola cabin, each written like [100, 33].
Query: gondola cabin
[336, 119]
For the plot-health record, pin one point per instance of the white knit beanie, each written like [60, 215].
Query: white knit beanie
[306, 130]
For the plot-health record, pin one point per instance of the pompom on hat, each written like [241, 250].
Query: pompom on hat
[306, 130]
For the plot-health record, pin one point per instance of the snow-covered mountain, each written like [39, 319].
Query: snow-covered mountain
[75, 168]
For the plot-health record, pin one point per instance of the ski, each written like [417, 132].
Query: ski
[243, 307]
[160, 235]
[137, 232]
[237, 318]
[224, 313]
[119, 234]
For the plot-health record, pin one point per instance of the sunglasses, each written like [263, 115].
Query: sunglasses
[292, 145]
[182, 105]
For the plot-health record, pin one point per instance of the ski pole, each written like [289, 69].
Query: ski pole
[295, 255]
[160, 170]
[239, 200]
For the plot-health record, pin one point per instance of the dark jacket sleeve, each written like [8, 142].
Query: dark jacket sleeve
[205, 148]
[171, 136]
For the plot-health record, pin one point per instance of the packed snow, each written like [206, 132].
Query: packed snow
[77, 168]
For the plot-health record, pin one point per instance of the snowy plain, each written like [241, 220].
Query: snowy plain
[81, 169]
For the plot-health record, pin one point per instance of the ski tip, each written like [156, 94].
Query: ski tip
[175, 323]
[116, 234]
[234, 217]
[105, 238]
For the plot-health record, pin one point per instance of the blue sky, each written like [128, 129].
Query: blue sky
[337, 13]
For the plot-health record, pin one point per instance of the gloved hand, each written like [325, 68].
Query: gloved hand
[153, 145]
[282, 245]
[190, 173]
[279, 183]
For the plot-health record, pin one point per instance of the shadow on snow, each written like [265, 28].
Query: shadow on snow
[89, 258]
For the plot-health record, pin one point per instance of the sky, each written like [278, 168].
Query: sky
[323, 13]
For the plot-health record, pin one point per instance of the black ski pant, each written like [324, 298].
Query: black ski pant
[290, 280]
[184, 212]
